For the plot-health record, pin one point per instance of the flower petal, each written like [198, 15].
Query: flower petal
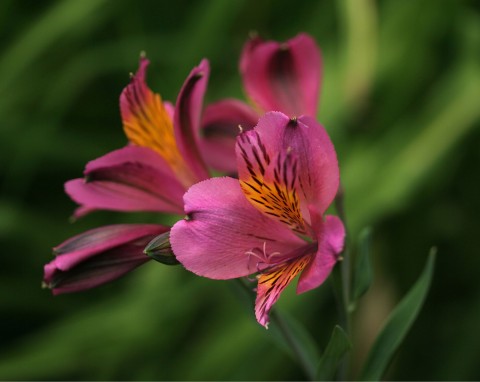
[331, 237]
[307, 140]
[98, 256]
[220, 127]
[97, 240]
[269, 180]
[245, 58]
[318, 166]
[283, 76]
[272, 283]
[188, 109]
[223, 236]
[94, 272]
[129, 179]
[147, 122]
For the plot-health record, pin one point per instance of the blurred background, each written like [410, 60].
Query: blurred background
[401, 100]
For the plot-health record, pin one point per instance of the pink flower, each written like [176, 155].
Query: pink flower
[98, 256]
[162, 159]
[150, 174]
[271, 220]
[277, 77]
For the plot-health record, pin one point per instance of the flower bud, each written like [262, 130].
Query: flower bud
[98, 256]
[160, 250]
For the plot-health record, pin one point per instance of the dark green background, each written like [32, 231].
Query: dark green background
[401, 101]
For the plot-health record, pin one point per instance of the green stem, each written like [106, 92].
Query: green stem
[283, 328]
[343, 287]
[291, 340]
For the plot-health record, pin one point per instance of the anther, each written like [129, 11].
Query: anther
[293, 122]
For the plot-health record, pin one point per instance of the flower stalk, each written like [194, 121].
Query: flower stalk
[343, 286]
[285, 331]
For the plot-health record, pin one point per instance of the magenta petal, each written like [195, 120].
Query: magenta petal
[223, 230]
[129, 179]
[98, 256]
[137, 88]
[220, 127]
[331, 237]
[269, 181]
[188, 109]
[170, 109]
[271, 284]
[101, 239]
[248, 49]
[318, 165]
[318, 173]
[99, 270]
[283, 76]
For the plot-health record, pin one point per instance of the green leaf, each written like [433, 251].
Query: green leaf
[363, 275]
[398, 324]
[337, 347]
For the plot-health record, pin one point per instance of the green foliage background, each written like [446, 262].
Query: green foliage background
[401, 100]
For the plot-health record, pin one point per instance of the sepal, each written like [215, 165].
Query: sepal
[159, 249]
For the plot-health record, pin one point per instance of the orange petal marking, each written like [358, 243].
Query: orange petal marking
[273, 282]
[147, 123]
[271, 187]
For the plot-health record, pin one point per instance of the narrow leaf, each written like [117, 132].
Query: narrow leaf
[398, 324]
[363, 275]
[337, 347]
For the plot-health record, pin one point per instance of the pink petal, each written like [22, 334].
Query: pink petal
[188, 109]
[331, 237]
[170, 109]
[317, 171]
[136, 92]
[224, 236]
[318, 165]
[283, 76]
[147, 122]
[248, 49]
[98, 256]
[129, 179]
[220, 127]
[94, 272]
[80, 247]
[272, 283]
[269, 180]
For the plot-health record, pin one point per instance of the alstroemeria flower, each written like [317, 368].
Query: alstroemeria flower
[162, 160]
[150, 174]
[271, 221]
[98, 256]
[276, 77]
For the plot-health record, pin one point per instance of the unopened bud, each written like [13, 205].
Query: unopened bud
[159, 249]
